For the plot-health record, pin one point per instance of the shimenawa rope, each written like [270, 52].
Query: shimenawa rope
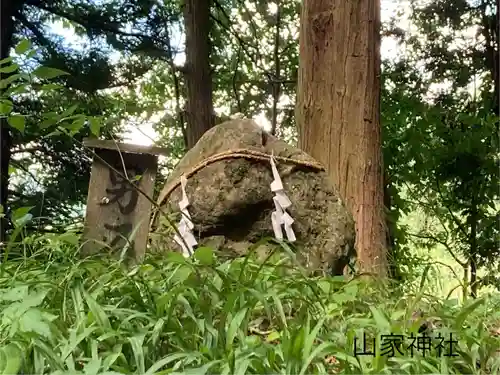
[232, 154]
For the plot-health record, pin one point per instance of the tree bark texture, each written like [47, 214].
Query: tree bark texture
[338, 112]
[199, 106]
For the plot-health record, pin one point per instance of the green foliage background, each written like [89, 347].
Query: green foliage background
[122, 68]
[439, 111]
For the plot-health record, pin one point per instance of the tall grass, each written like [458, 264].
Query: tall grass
[60, 314]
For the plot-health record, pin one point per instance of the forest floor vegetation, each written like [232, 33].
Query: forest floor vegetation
[62, 314]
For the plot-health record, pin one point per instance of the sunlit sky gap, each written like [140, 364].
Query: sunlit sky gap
[140, 130]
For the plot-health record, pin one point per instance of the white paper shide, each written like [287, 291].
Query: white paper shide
[279, 217]
[186, 239]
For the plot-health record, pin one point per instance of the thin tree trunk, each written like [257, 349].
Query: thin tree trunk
[466, 283]
[473, 247]
[199, 106]
[7, 11]
[276, 85]
[338, 112]
[496, 62]
[392, 259]
[490, 24]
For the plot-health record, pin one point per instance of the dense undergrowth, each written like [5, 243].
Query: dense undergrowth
[62, 314]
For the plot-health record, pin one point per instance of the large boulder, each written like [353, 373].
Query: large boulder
[228, 185]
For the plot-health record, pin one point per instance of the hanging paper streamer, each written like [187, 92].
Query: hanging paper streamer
[186, 239]
[280, 217]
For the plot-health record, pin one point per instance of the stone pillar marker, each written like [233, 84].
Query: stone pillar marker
[118, 214]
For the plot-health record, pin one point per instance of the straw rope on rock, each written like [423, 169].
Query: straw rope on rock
[228, 184]
[240, 153]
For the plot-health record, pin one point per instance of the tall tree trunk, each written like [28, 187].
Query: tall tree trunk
[199, 106]
[7, 11]
[338, 112]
